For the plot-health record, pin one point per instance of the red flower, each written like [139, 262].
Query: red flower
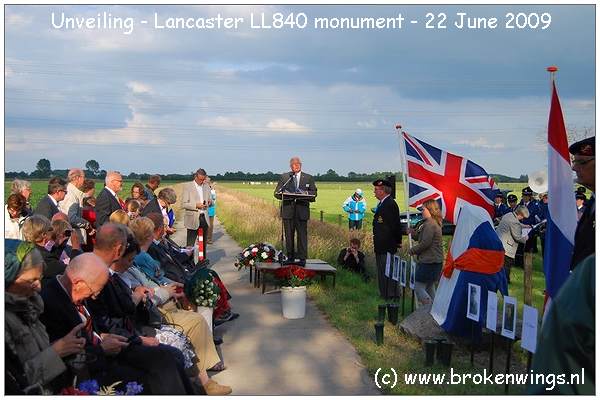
[71, 391]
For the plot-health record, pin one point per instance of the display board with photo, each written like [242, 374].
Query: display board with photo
[509, 317]
[473, 301]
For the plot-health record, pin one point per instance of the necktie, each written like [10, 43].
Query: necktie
[88, 328]
[121, 203]
[296, 184]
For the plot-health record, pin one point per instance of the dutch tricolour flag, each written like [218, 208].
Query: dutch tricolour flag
[475, 256]
[562, 211]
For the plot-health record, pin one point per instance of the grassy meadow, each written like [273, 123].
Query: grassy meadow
[249, 215]
[40, 188]
[331, 195]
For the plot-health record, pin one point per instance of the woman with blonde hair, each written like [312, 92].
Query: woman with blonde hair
[119, 217]
[429, 252]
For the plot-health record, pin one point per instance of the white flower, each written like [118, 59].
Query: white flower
[251, 262]
[202, 286]
[266, 248]
[246, 253]
[264, 255]
[204, 303]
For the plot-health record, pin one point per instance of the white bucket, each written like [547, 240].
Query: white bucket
[207, 314]
[293, 302]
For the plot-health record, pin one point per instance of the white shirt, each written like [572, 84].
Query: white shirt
[200, 194]
[113, 193]
[53, 200]
[298, 179]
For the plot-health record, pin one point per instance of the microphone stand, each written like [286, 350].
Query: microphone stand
[280, 192]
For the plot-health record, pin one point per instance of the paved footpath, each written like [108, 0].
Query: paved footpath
[266, 354]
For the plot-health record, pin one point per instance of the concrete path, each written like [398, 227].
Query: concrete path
[266, 354]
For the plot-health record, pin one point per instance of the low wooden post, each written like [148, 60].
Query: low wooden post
[321, 215]
[528, 278]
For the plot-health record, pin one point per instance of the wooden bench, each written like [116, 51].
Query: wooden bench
[321, 268]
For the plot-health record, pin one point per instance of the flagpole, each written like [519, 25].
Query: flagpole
[552, 69]
[404, 181]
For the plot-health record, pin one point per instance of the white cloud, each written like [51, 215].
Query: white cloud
[285, 125]
[480, 143]
[139, 87]
[368, 124]
[19, 21]
[226, 123]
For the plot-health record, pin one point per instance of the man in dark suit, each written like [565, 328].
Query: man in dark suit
[296, 212]
[108, 200]
[584, 165]
[48, 205]
[387, 237]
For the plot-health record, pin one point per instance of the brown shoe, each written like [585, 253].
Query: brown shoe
[212, 388]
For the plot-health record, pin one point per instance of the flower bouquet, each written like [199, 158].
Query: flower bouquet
[201, 289]
[294, 276]
[255, 253]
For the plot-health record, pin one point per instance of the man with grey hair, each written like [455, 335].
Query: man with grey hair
[295, 212]
[108, 200]
[510, 232]
[72, 205]
[195, 201]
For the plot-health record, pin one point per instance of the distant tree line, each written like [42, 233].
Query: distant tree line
[43, 170]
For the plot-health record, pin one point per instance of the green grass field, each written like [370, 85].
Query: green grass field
[40, 188]
[331, 195]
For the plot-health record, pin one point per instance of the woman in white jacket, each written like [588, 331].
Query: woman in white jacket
[13, 219]
[510, 232]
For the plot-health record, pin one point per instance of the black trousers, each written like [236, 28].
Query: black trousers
[296, 228]
[355, 224]
[162, 367]
[193, 233]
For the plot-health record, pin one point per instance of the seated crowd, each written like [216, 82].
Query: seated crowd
[94, 290]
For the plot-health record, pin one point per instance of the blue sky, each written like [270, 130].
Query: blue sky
[247, 99]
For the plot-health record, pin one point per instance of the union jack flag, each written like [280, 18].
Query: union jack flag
[440, 175]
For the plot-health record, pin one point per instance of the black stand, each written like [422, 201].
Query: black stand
[472, 342]
[403, 288]
[508, 354]
[492, 352]
[529, 358]
[289, 196]
[412, 300]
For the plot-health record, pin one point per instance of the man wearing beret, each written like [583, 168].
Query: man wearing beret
[387, 236]
[512, 202]
[584, 165]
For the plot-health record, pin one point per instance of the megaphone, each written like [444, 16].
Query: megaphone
[538, 181]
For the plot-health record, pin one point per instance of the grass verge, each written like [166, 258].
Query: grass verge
[352, 306]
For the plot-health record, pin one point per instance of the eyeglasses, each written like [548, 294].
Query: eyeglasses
[579, 161]
[94, 295]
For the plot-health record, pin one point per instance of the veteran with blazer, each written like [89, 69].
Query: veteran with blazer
[584, 165]
[387, 236]
[108, 200]
[195, 201]
[295, 213]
